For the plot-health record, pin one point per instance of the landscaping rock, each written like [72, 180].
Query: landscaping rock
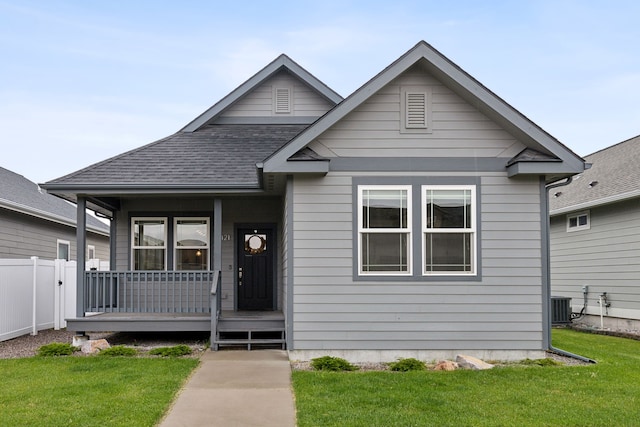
[470, 362]
[94, 346]
[446, 365]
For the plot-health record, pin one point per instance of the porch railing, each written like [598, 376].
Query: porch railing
[149, 291]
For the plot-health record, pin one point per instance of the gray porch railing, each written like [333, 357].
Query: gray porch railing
[216, 305]
[149, 291]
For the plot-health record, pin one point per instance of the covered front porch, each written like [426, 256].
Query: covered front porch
[240, 306]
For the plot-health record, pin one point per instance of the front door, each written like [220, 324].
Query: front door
[255, 280]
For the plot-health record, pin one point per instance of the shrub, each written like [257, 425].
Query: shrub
[405, 365]
[118, 350]
[56, 349]
[175, 351]
[329, 363]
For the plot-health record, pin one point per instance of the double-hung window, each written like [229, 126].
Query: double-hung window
[384, 230]
[191, 243]
[149, 250]
[449, 230]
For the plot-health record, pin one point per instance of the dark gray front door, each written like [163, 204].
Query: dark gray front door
[256, 249]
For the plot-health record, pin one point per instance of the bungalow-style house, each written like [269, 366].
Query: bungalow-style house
[34, 223]
[595, 239]
[406, 220]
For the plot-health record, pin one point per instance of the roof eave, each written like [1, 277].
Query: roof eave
[595, 203]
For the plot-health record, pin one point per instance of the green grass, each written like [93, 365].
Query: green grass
[604, 394]
[89, 391]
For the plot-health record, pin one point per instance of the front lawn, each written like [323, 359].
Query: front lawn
[604, 394]
[89, 391]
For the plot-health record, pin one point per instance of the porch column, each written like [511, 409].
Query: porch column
[81, 247]
[113, 231]
[217, 234]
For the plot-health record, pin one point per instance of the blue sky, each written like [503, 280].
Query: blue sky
[82, 81]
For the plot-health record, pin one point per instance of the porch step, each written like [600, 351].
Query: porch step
[250, 332]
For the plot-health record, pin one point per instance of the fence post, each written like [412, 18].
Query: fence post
[34, 312]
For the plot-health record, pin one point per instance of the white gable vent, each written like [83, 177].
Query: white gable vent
[282, 100]
[416, 110]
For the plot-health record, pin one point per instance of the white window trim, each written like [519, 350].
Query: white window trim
[472, 230]
[175, 239]
[133, 232]
[362, 230]
[578, 227]
[65, 243]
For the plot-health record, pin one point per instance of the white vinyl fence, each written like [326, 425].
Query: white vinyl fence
[35, 294]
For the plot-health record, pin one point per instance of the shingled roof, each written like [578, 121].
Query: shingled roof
[19, 194]
[214, 156]
[613, 176]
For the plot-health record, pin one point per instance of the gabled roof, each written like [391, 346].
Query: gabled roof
[18, 194]
[282, 62]
[469, 89]
[614, 176]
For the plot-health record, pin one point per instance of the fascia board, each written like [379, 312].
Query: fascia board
[307, 166]
[541, 168]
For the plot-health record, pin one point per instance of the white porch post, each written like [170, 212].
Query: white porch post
[217, 234]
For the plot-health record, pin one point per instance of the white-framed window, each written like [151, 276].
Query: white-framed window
[191, 243]
[91, 252]
[64, 250]
[149, 243]
[384, 230]
[578, 221]
[449, 230]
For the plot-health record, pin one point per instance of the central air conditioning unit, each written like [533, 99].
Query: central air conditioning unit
[560, 311]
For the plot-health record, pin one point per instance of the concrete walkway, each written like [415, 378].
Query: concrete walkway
[236, 388]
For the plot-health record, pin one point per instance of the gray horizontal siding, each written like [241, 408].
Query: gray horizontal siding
[373, 128]
[24, 236]
[259, 102]
[331, 311]
[606, 257]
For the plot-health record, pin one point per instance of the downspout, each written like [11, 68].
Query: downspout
[547, 274]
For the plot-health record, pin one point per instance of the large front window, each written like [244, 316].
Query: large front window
[449, 230]
[191, 244]
[149, 243]
[384, 230]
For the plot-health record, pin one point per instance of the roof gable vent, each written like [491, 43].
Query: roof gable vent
[282, 100]
[416, 110]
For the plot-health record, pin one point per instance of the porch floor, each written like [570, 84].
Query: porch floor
[170, 322]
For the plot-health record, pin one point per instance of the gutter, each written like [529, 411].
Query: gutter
[551, 348]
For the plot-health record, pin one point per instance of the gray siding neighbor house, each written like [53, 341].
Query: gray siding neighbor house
[595, 239]
[34, 223]
[406, 220]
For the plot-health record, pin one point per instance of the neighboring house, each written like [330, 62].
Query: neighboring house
[595, 239]
[409, 219]
[34, 223]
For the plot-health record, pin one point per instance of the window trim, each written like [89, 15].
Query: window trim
[472, 230]
[133, 247]
[66, 243]
[91, 248]
[361, 231]
[175, 240]
[578, 227]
